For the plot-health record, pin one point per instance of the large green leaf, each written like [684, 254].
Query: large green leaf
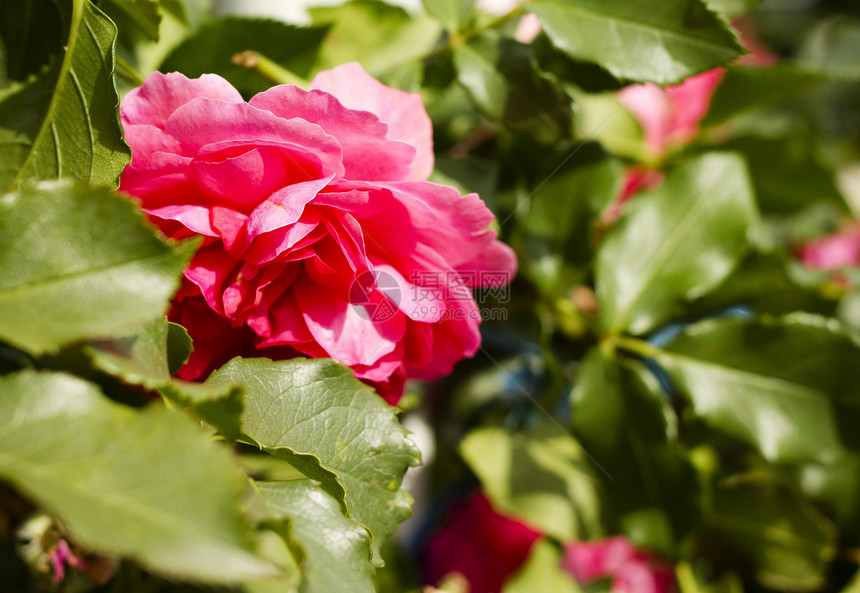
[78, 262]
[148, 483]
[790, 387]
[782, 538]
[374, 33]
[332, 427]
[335, 550]
[144, 359]
[663, 42]
[540, 476]
[675, 243]
[64, 122]
[650, 487]
[212, 47]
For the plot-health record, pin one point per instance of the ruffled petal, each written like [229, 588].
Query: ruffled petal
[403, 112]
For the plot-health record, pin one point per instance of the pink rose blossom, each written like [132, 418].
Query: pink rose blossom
[834, 251]
[615, 558]
[480, 544]
[321, 235]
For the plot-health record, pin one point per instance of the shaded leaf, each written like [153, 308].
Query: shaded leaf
[332, 427]
[675, 243]
[786, 542]
[212, 47]
[142, 16]
[78, 262]
[540, 476]
[144, 359]
[662, 43]
[502, 77]
[64, 122]
[833, 48]
[147, 484]
[790, 388]
[651, 488]
[32, 34]
[335, 550]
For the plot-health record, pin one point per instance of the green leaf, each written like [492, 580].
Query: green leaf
[786, 175]
[78, 262]
[832, 48]
[745, 89]
[784, 539]
[32, 34]
[542, 572]
[503, 79]
[147, 484]
[64, 122]
[332, 427]
[335, 550]
[144, 359]
[662, 42]
[675, 243]
[651, 488]
[453, 14]
[213, 46]
[373, 33]
[790, 387]
[541, 476]
[142, 16]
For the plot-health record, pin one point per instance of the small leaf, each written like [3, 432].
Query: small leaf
[542, 572]
[332, 427]
[675, 243]
[790, 387]
[542, 477]
[212, 47]
[784, 539]
[335, 550]
[651, 488]
[147, 484]
[663, 43]
[453, 14]
[64, 122]
[78, 262]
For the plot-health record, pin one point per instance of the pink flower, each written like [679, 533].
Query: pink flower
[615, 558]
[479, 543]
[636, 179]
[670, 116]
[529, 26]
[321, 235]
[834, 251]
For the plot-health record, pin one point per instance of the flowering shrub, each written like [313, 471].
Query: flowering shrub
[229, 243]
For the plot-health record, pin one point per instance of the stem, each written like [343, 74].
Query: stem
[268, 69]
[126, 72]
[636, 346]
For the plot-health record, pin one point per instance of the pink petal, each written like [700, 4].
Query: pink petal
[833, 252]
[191, 216]
[208, 126]
[344, 331]
[651, 106]
[587, 561]
[162, 94]
[690, 103]
[403, 112]
[367, 154]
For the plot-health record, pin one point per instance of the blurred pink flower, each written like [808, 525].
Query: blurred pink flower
[321, 235]
[615, 558]
[834, 251]
[528, 27]
[479, 543]
[636, 179]
[670, 116]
